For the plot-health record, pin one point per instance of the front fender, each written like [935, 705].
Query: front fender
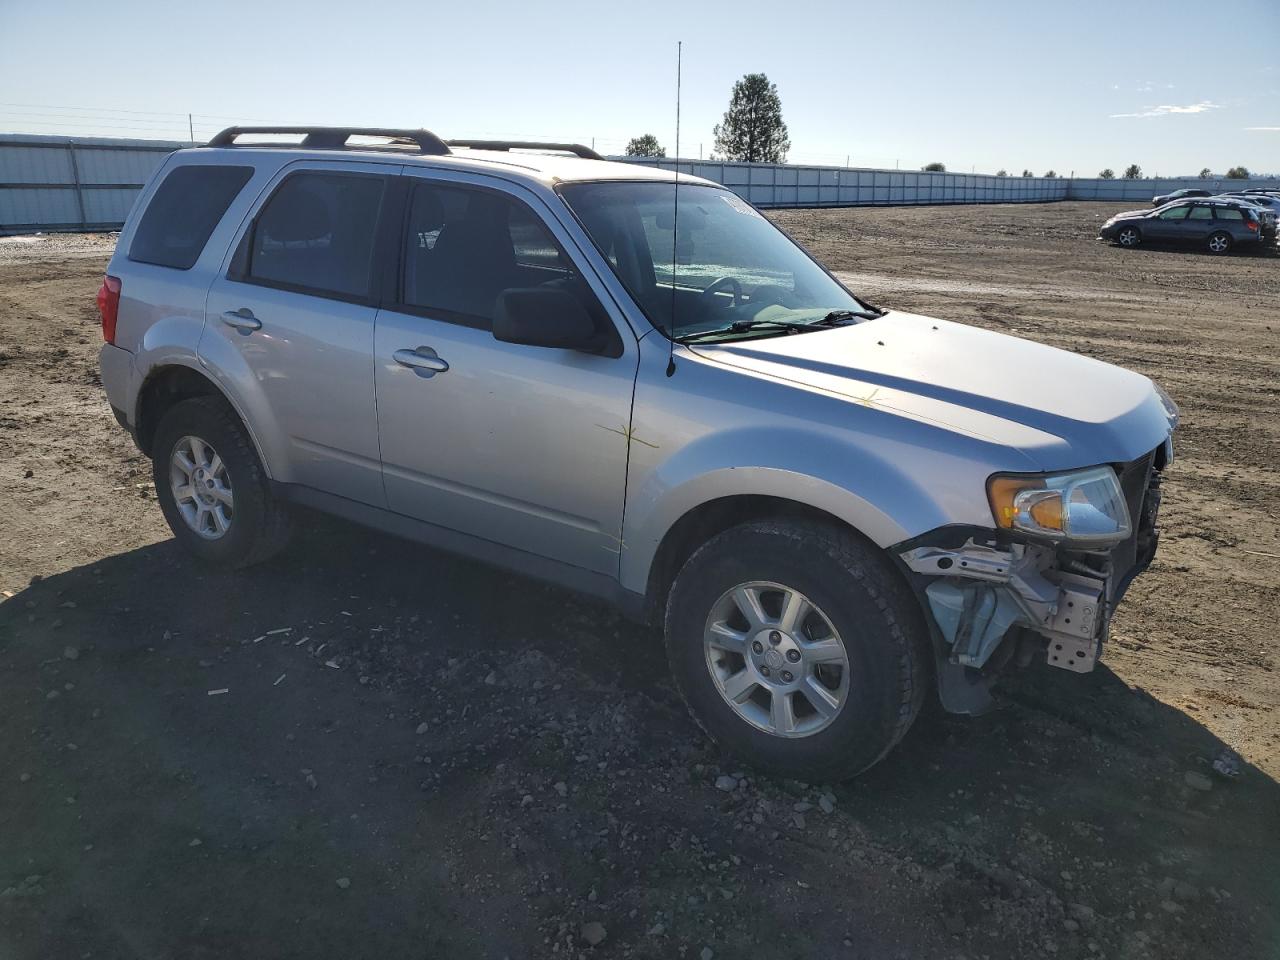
[883, 495]
[711, 431]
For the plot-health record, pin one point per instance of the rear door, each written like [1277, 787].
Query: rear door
[1198, 224]
[520, 445]
[290, 322]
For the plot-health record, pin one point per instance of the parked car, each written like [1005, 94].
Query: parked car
[574, 369]
[1217, 224]
[1265, 201]
[1183, 194]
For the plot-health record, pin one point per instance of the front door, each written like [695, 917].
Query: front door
[297, 306]
[520, 445]
[1165, 225]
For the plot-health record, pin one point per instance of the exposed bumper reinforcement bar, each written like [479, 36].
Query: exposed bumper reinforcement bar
[979, 593]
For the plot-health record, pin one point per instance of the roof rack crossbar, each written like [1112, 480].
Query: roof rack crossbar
[577, 149]
[335, 138]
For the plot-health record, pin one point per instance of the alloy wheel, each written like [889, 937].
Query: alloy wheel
[201, 487]
[776, 659]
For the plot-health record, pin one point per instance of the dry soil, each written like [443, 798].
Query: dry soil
[368, 749]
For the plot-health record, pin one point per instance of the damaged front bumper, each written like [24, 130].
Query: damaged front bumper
[992, 597]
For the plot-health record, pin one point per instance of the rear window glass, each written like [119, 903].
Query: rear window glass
[183, 212]
[1229, 213]
[316, 234]
[1201, 213]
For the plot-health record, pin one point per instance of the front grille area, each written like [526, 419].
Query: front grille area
[1140, 483]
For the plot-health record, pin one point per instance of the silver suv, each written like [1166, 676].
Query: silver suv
[637, 387]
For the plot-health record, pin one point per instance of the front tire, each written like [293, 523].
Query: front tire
[212, 488]
[1129, 237]
[797, 647]
[1219, 242]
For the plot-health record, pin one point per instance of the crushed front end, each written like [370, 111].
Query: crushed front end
[1007, 594]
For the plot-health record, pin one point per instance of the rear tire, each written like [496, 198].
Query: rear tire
[872, 685]
[1129, 237]
[212, 488]
[1219, 242]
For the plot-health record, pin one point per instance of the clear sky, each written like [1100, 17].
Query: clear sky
[1174, 86]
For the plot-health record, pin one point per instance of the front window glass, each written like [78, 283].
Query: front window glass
[711, 264]
[467, 246]
[1174, 213]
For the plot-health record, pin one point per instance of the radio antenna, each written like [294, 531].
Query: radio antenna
[675, 221]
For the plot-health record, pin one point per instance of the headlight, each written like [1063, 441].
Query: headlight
[1170, 407]
[1085, 507]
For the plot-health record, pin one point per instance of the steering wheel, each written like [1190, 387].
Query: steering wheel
[711, 291]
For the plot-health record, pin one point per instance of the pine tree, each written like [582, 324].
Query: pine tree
[752, 130]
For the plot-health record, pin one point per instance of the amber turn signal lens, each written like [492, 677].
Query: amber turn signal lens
[1047, 512]
[1002, 491]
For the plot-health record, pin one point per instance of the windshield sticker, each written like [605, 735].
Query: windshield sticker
[735, 202]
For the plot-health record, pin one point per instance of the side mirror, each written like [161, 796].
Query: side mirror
[544, 317]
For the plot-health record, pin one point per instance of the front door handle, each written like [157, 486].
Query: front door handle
[242, 319]
[423, 360]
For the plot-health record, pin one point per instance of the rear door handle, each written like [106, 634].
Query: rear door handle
[242, 319]
[424, 361]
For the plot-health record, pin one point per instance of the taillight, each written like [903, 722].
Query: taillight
[109, 306]
[1251, 225]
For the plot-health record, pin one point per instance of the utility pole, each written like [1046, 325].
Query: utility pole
[191, 130]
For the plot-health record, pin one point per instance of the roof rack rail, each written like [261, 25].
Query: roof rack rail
[577, 149]
[335, 138]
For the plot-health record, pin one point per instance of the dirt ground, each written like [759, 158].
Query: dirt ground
[368, 749]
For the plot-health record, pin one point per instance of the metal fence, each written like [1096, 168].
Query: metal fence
[75, 183]
[64, 183]
[783, 185]
[1144, 190]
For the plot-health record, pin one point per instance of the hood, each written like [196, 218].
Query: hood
[1130, 214]
[1059, 409]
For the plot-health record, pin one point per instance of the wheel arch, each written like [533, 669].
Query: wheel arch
[706, 520]
[168, 384]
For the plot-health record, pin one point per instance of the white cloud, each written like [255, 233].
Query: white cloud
[1167, 110]
[1267, 129]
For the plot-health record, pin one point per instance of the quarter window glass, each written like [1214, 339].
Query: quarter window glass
[465, 247]
[316, 234]
[1200, 213]
[1229, 213]
[1177, 213]
[183, 212]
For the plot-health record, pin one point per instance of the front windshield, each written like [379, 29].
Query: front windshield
[713, 264]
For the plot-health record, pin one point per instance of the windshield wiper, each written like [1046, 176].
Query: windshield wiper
[745, 326]
[843, 316]
[835, 318]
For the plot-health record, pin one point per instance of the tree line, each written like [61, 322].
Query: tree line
[753, 131]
